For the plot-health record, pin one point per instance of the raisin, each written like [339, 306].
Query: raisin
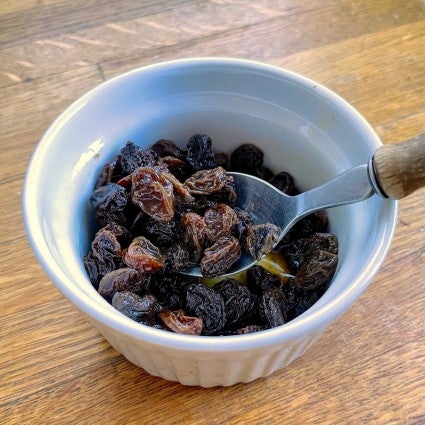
[219, 221]
[176, 166]
[106, 252]
[260, 280]
[109, 202]
[317, 270]
[121, 233]
[297, 251]
[271, 308]
[261, 239]
[285, 183]
[90, 264]
[238, 300]
[124, 279]
[142, 309]
[132, 157]
[194, 234]
[207, 304]
[200, 155]
[178, 322]
[164, 148]
[177, 258]
[110, 171]
[153, 193]
[314, 223]
[143, 256]
[162, 233]
[304, 301]
[218, 258]
[263, 173]
[249, 329]
[246, 158]
[244, 222]
[170, 289]
[221, 160]
[214, 184]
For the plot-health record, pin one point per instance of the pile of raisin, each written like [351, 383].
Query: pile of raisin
[161, 210]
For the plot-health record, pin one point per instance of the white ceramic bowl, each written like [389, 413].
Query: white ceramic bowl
[303, 128]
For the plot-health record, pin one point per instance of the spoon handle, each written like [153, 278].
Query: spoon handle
[400, 168]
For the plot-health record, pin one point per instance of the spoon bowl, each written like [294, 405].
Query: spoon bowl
[396, 170]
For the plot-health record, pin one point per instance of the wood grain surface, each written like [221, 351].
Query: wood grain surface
[368, 367]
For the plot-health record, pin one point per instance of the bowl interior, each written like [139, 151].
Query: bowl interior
[302, 128]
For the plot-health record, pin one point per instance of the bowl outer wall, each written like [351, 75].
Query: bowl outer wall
[101, 313]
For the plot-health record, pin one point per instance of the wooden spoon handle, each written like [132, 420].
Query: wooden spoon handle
[400, 168]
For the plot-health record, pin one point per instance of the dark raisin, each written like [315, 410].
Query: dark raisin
[142, 309]
[177, 258]
[260, 280]
[200, 155]
[109, 202]
[246, 158]
[207, 304]
[219, 221]
[178, 322]
[221, 159]
[317, 270]
[285, 183]
[297, 251]
[166, 147]
[249, 329]
[263, 173]
[314, 223]
[106, 252]
[261, 239]
[271, 308]
[176, 166]
[170, 289]
[90, 264]
[143, 256]
[162, 233]
[153, 193]
[238, 300]
[219, 257]
[124, 279]
[244, 221]
[132, 157]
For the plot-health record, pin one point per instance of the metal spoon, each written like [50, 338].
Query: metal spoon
[394, 171]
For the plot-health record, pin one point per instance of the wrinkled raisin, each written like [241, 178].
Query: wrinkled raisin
[317, 270]
[109, 202]
[261, 239]
[207, 304]
[219, 221]
[219, 257]
[142, 309]
[285, 183]
[200, 155]
[246, 158]
[153, 193]
[124, 279]
[194, 234]
[238, 300]
[132, 157]
[166, 147]
[143, 256]
[178, 322]
[260, 280]
[272, 308]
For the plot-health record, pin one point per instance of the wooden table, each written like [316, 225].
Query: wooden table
[368, 367]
